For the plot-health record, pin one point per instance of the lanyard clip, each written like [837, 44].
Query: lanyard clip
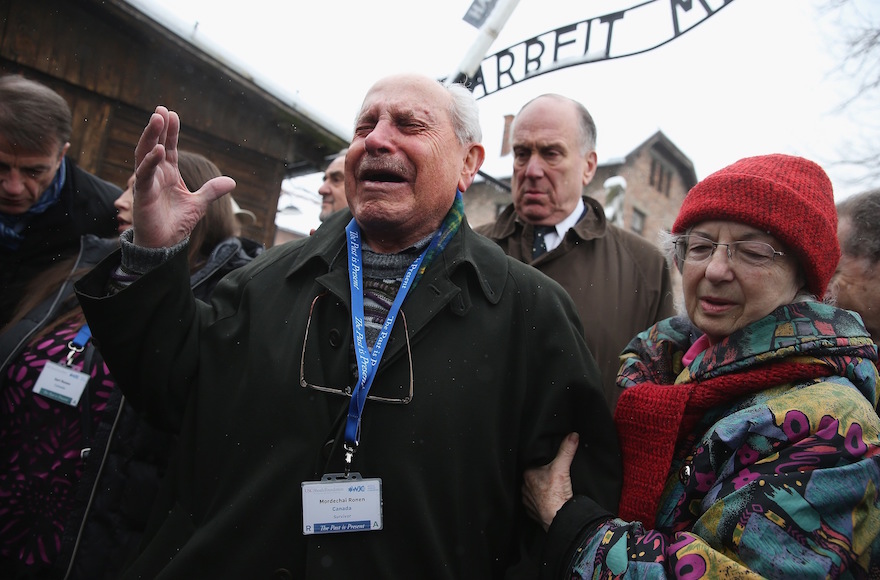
[349, 455]
[79, 342]
[73, 350]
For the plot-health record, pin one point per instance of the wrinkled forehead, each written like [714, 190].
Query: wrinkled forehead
[52, 148]
[407, 97]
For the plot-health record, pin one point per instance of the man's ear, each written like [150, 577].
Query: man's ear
[473, 160]
[63, 151]
[590, 164]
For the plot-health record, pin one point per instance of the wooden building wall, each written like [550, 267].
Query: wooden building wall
[114, 66]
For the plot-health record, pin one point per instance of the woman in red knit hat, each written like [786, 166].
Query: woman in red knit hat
[749, 438]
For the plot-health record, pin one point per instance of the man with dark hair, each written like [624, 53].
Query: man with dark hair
[856, 283]
[332, 189]
[619, 281]
[46, 201]
[361, 403]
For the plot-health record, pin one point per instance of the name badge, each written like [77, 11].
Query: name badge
[61, 383]
[339, 504]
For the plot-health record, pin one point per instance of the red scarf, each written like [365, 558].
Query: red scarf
[653, 419]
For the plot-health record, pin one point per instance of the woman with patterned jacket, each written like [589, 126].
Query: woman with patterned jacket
[750, 443]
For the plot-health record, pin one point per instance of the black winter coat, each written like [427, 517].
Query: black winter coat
[85, 207]
[500, 374]
[128, 457]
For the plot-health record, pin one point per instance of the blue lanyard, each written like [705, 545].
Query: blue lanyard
[367, 359]
[82, 337]
[78, 344]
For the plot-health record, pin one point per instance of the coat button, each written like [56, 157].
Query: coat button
[684, 474]
[335, 338]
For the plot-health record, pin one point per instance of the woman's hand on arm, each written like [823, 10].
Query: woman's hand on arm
[546, 489]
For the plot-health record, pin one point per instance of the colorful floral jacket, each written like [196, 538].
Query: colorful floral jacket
[780, 483]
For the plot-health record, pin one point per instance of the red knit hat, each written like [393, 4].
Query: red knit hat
[788, 197]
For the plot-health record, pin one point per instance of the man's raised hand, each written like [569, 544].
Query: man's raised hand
[165, 211]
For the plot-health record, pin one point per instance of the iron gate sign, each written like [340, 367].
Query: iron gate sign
[633, 30]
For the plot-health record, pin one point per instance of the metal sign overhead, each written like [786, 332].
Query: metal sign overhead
[627, 32]
[478, 12]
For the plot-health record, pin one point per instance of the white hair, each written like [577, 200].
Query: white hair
[465, 114]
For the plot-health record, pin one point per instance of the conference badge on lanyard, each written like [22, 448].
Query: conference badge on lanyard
[62, 382]
[342, 503]
[346, 502]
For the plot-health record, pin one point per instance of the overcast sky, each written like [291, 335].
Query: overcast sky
[760, 76]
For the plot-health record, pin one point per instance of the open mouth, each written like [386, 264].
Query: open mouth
[384, 170]
[381, 176]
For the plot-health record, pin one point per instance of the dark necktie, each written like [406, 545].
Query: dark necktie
[539, 247]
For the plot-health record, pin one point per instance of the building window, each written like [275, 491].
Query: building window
[661, 176]
[638, 222]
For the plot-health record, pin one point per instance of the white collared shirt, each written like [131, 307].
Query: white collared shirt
[554, 238]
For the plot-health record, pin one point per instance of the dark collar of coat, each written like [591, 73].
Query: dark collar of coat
[484, 259]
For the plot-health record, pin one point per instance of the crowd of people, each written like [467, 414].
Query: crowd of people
[399, 395]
